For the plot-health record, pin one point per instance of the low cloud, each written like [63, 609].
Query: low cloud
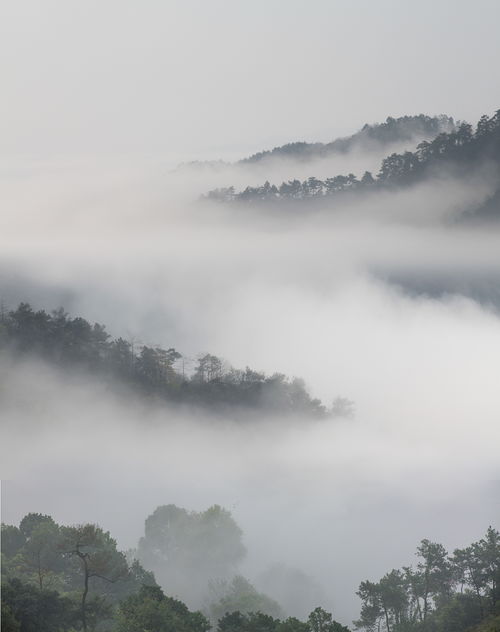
[339, 297]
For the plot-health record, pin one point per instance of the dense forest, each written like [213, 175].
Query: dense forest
[58, 578]
[75, 343]
[461, 149]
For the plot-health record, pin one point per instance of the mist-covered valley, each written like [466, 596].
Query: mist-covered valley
[388, 298]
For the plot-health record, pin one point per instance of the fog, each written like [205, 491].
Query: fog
[387, 299]
[363, 155]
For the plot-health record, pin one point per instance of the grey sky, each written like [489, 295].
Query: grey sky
[197, 78]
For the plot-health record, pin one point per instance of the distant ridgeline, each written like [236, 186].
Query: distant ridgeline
[462, 147]
[74, 342]
[393, 131]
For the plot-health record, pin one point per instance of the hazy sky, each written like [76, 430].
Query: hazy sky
[198, 78]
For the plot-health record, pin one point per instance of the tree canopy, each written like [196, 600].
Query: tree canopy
[187, 549]
[457, 146]
[73, 343]
[58, 578]
[74, 574]
[442, 593]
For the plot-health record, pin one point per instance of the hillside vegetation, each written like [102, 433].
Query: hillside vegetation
[58, 578]
[72, 343]
[460, 149]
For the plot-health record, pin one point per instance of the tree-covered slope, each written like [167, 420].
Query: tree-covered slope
[391, 132]
[408, 130]
[72, 343]
[461, 149]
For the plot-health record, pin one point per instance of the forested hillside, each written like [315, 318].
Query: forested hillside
[394, 131]
[461, 149]
[58, 578]
[72, 343]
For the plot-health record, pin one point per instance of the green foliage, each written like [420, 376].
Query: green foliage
[80, 564]
[239, 595]
[12, 540]
[322, 621]
[478, 567]
[292, 624]
[431, 597]
[28, 609]
[319, 621]
[458, 615]
[33, 521]
[251, 622]
[185, 549]
[151, 611]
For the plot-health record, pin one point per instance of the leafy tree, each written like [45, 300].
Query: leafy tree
[292, 625]
[385, 602]
[251, 622]
[151, 610]
[458, 615]
[425, 598]
[367, 179]
[478, 567]
[28, 609]
[209, 368]
[322, 621]
[12, 540]
[239, 595]
[186, 549]
[40, 551]
[232, 622]
[32, 521]
[436, 573]
[97, 556]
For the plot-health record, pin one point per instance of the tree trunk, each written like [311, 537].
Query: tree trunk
[40, 577]
[387, 620]
[426, 595]
[83, 557]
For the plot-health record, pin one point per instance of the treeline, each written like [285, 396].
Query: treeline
[59, 578]
[393, 130]
[442, 593]
[462, 147]
[74, 342]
